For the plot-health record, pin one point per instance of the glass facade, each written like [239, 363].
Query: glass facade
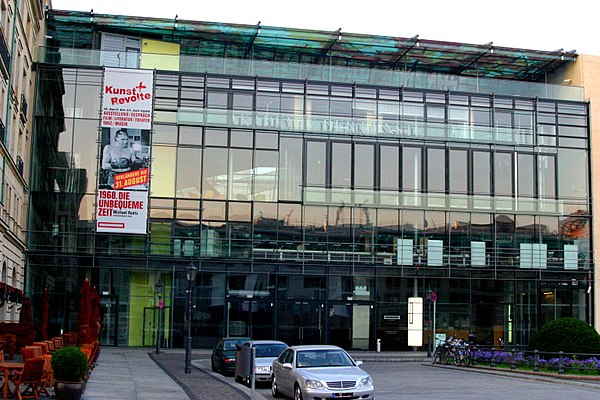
[316, 209]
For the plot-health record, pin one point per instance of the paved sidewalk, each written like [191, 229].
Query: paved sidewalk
[130, 373]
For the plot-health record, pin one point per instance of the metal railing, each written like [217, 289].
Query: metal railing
[453, 258]
[299, 71]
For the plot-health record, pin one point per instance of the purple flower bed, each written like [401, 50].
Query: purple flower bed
[526, 360]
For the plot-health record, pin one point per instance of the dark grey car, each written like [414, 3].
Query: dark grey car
[223, 355]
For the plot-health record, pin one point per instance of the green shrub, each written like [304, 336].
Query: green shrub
[69, 364]
[570, 335]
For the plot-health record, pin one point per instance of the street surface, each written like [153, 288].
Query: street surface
[421, 381]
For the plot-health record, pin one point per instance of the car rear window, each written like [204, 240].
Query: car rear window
[269, 350]
[230, 344]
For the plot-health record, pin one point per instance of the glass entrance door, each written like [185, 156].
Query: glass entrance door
[349, 325]
[300, 322]
[109, 310]
[251, 318]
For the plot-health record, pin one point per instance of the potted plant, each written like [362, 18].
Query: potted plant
[70, 366]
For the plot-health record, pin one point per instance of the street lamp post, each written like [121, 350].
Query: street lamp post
[430, 344]
[190, 273]
[158, 291]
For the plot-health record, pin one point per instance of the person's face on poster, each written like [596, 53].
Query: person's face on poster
[122, 141]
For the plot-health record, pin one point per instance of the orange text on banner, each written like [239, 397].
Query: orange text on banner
[131, 178]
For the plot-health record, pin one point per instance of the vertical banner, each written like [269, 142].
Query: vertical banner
[124, 172]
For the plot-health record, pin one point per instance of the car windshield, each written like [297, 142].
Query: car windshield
[269, 350]
[230, 344]
[323, 358]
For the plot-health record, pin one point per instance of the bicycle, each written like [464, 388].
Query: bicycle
[441, 352]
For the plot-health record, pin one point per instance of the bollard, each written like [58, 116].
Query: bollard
[536, 360]
[493, 360]
[561, 364]
[378, 345]
[513, 364]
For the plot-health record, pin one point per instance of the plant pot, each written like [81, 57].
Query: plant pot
[68, 390]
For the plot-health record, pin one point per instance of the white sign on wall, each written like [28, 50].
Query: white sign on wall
[415, 321]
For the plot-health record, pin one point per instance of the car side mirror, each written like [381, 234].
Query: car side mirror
[358, 363]
[287, 366]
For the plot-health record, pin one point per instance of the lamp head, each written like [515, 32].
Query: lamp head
[191, 272]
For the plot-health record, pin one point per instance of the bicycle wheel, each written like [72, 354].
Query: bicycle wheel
[457, 356]
[467, 358]
[447, 357]
[435, 356]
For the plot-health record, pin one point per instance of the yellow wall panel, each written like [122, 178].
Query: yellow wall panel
[160, 55]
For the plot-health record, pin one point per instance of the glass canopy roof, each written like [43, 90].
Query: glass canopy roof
[79, 30]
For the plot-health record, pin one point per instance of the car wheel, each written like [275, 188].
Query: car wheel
[297, 393]
[212, 366]
[276, 393]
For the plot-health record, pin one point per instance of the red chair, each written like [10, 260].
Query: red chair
[31, 351]
[43, 345]
[30, 380]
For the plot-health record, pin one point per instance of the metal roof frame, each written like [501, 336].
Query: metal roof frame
[313, 46]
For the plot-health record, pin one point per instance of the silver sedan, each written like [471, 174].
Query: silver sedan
[319, 372]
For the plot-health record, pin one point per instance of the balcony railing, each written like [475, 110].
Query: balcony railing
[23, 109]
[20, 165]
[2, 132]
[4, 53]
[298, 71]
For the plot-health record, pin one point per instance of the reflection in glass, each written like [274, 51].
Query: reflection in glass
[572, 173]
[162, 182]
[525, 175]
[214, 173]
[83, 156]
[503, 174]
[240, 174]
[364, 156]
[547, 176]
[458, 175]
[389, 162]
[289, 233]
[436, 170]
[316, 227]
[481, 173]
[341, 165]
[388, 229]
[290, 169]
[315, 163]
[411, 169]
[265, 175]
[189, 164]
[265, 225]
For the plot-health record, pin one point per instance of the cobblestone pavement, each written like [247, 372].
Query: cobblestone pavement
[200, 384]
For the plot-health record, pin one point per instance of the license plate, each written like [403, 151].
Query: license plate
[342, 395]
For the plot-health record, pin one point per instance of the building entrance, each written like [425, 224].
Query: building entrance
[300, 322]
[109, 331]
[251, 318]
[349, 325]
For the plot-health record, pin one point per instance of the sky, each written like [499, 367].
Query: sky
[536, 25]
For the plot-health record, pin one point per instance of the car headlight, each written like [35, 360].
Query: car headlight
[262, 369]
[312, 384]
[365, 382]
